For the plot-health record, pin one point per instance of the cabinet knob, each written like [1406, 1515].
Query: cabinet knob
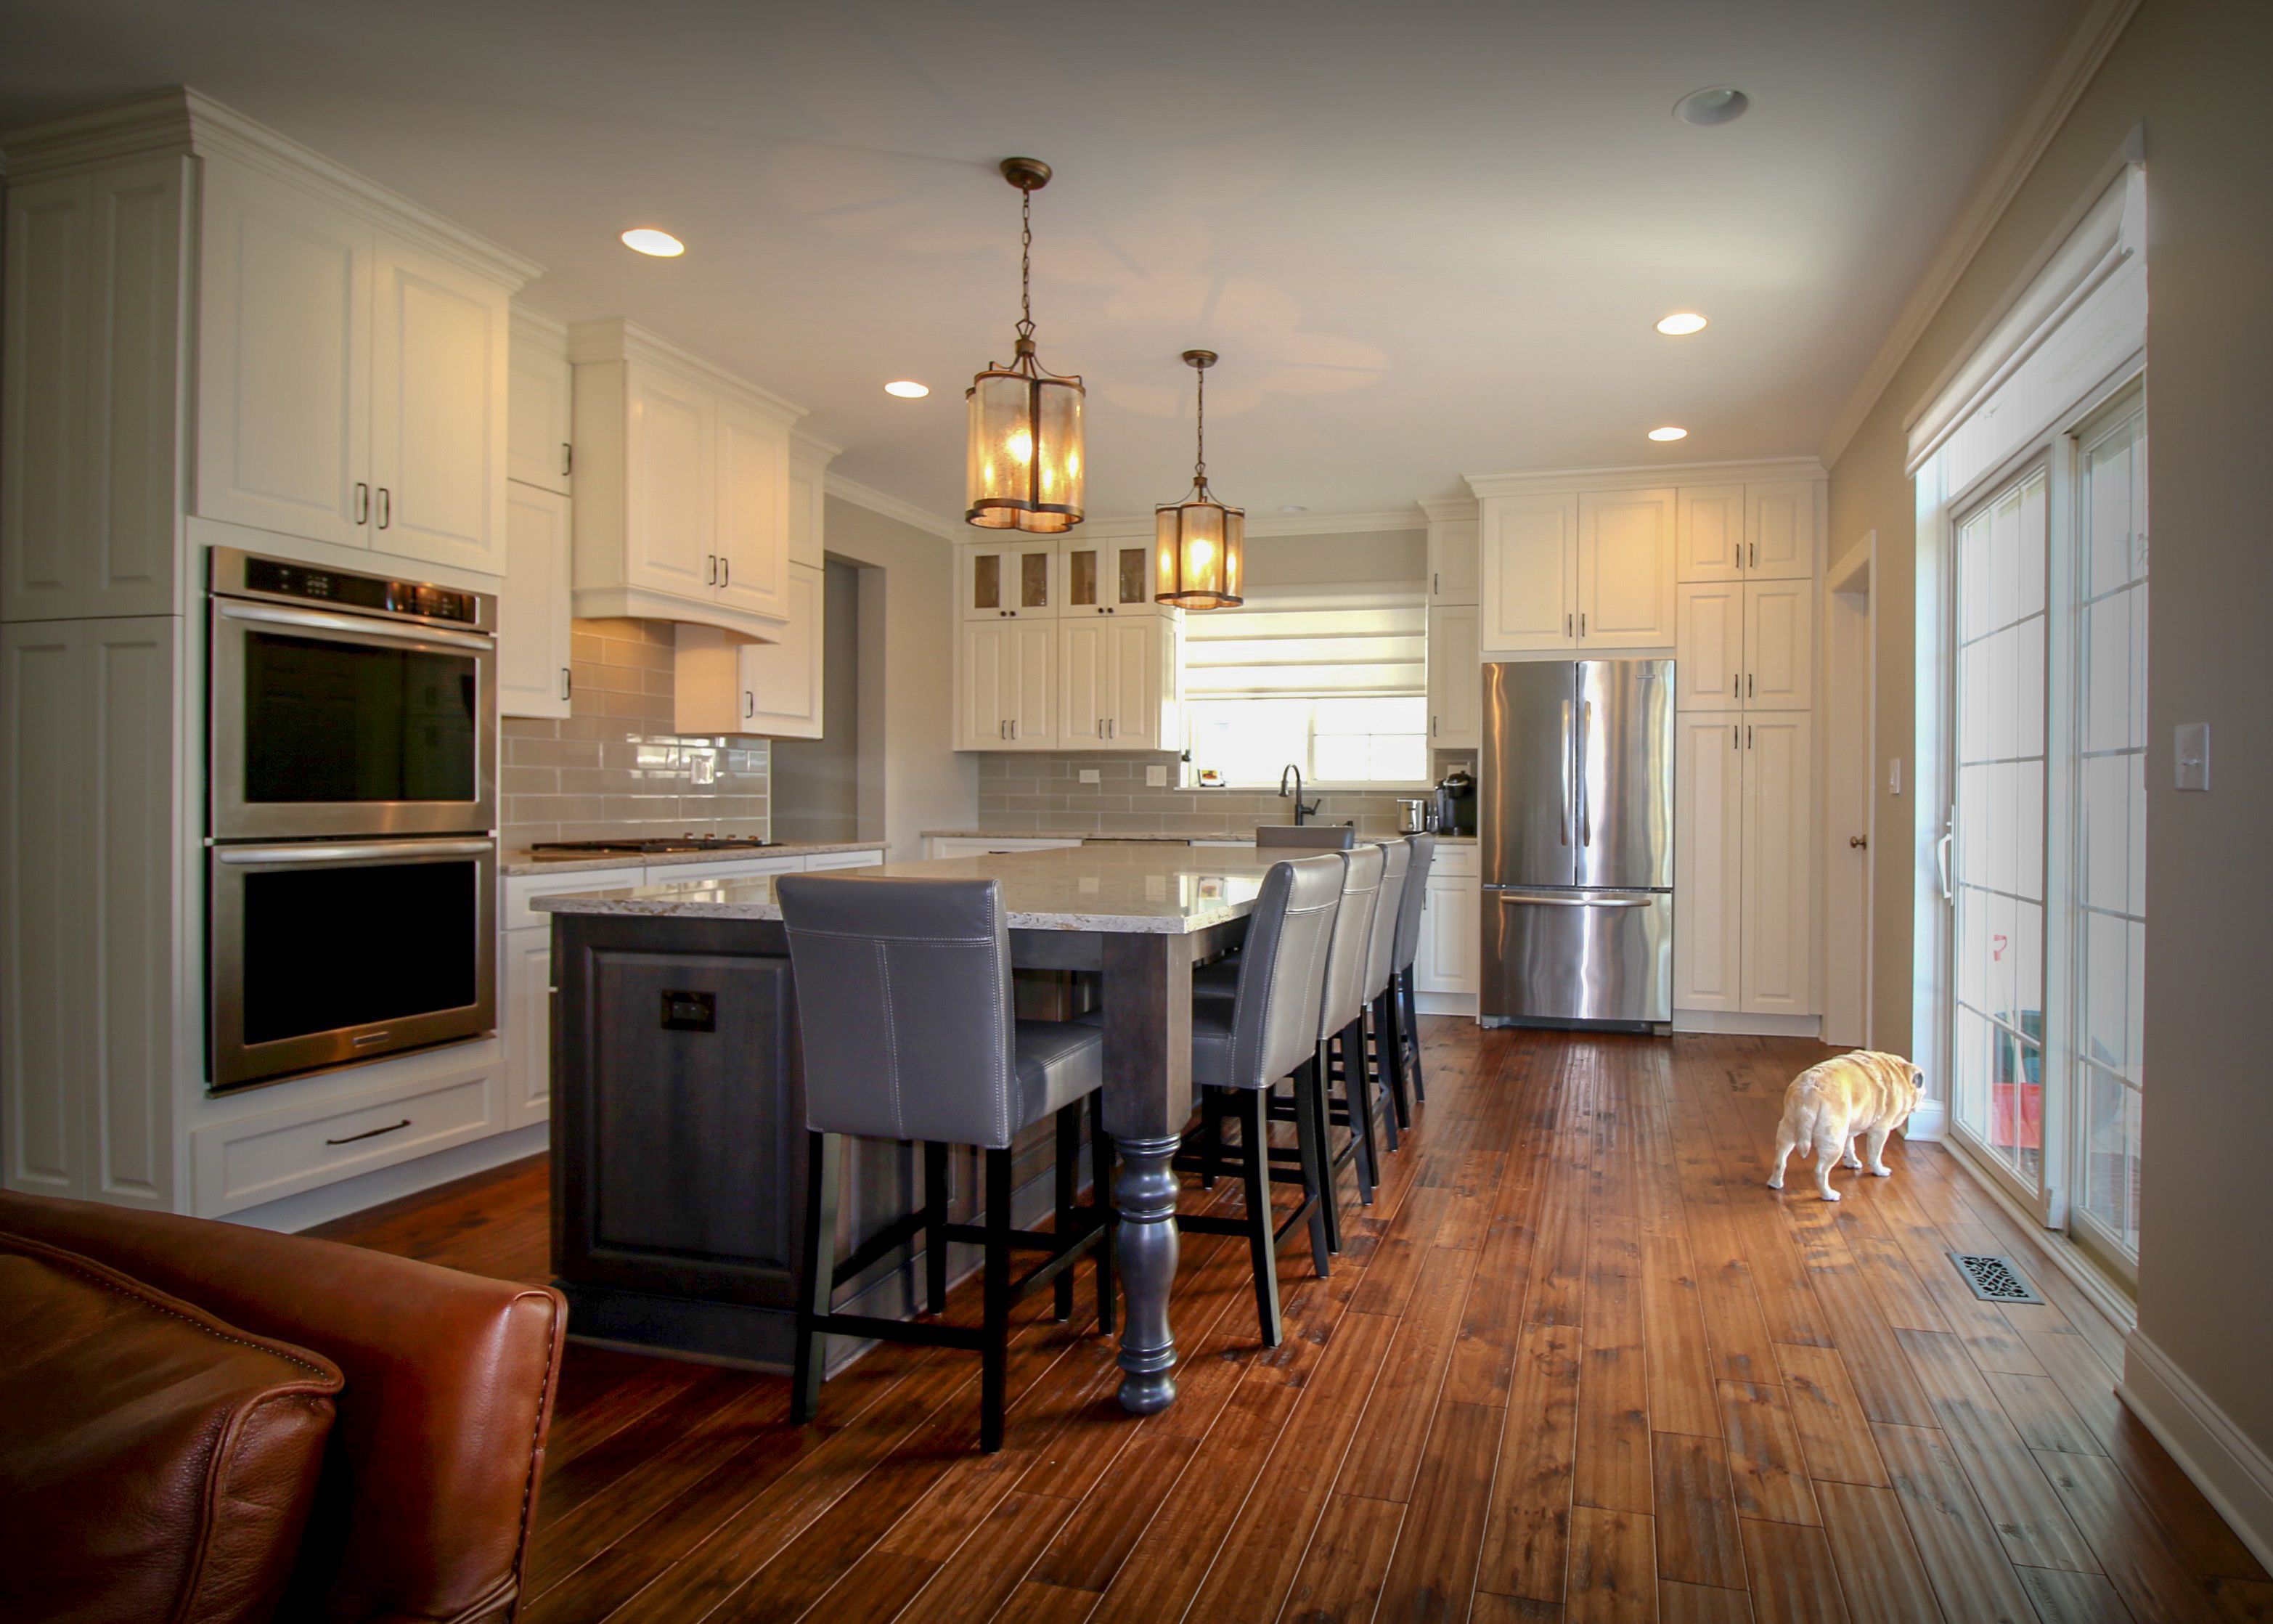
[1858, 842]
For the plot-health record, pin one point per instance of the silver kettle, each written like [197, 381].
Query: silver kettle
[1414, 816]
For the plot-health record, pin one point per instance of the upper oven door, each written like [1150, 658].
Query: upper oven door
[327, 724]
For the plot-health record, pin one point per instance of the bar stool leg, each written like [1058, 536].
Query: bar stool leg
[1379, 1068]
[1311, 1146]
[1211, 1138]
[824, 1150]
[1100, 1195]
[1358, 1091]
[1389, 1021]
[1252, 1106]
[935, 1226]
[1322, 1110]
[1412, 1030]
[994, 1358]
[1069, 1171]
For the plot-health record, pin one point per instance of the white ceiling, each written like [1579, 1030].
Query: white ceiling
[1427, 238]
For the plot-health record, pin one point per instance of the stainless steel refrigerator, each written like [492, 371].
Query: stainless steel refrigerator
[1576, 831]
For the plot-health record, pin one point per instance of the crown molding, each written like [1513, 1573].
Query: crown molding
[537, 327]
[1636, 477]
[2066, 76]
[1450, 509]
[812, 448]
[1128, 526]
[613, 338]
[181, 119]
[867, 496]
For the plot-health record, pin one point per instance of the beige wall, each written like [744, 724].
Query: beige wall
[2195, 74]
[910, 777]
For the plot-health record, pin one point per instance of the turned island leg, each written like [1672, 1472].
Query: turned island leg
[1148, 1095]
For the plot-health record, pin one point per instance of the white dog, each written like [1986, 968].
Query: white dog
[1828, 1106]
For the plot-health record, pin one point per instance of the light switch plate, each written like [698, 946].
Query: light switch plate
[2191, 753]
[1894, 775]
[1155, 777]
[1089, 775]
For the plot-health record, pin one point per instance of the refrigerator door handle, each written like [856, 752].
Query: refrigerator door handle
[1566, 899]
[1586, 813]
[1562, 821]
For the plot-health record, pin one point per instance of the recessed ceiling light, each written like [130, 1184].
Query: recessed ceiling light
[1718, 106]
[907, 388]
[662, 244]
[1681, 322]
[1668, 432]
[1292, 508]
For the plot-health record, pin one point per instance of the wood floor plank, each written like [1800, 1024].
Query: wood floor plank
[2130, 1544]
[1964, 1559]
[1526, 1539]
[1879, 1571]
[2064, 1598]
[1701, 1604]
[1765, 1463]
[1835, 1435]
[1610, 1468]
[2040, 1411]
[1491, 1609]
[1385, 1452]
[1681, 1396]
[1483, 1353]
[1793, 1578]
[1339, 1579]
[1433, 1573]
[1698, 1540]
[1613, 1569]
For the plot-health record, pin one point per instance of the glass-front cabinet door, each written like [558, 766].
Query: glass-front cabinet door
[1108, 577]
[1011, 581]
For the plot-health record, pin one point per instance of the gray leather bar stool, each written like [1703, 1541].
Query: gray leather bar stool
[1402, 1011]
[1378, 1052]
[1244, 1045]
[1315, 836]
[904, 1010]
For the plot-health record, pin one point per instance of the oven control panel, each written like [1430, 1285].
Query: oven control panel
[248, 575]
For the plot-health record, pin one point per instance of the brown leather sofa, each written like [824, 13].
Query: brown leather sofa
[166, 1354]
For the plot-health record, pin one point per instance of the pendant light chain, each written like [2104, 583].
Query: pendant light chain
[1025, 263]
[1199, 465]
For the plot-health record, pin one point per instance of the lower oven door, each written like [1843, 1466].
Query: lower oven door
[329, 953]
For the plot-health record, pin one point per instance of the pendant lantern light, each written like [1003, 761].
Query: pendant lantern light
[1200, 546]
[1025, 452]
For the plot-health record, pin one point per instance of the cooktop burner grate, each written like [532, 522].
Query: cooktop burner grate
[643, 847]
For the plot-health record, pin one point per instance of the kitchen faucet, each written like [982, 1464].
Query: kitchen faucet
[1301, 810]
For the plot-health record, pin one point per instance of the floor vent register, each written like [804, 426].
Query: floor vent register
[1993, 1277]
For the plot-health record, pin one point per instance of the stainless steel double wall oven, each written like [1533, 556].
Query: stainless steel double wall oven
[352, 865]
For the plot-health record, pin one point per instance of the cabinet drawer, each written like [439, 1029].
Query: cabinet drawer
[738, 869]
[256, 1159]
[522, 889]
[1453, 861]
[974, 845]
[820, 862]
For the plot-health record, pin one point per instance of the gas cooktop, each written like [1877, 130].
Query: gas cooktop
[560, 850]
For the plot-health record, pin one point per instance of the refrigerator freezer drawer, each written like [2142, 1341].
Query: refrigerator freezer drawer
[1553, 955]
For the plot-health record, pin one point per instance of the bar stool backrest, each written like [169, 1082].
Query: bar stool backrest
[1316, 837]
[1282, 969]
[1346, 957]
[1408, 946]
[1387, 904]
[904, 1003]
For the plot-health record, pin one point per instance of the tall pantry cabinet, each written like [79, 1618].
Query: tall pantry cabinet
[213, 336]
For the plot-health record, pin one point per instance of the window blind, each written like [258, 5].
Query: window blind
[1353, 640]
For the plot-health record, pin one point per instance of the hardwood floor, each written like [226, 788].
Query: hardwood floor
[1576, 1364]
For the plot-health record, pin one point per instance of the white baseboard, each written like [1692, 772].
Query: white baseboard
[2233, 1474]
[1446, 1003]
[1929, 1122]
[1741, 1025]
[326, 1202]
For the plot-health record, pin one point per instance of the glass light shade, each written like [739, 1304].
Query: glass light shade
[1199, 550]
[1026, 466]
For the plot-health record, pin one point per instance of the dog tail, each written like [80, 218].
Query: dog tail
[1809, 1115]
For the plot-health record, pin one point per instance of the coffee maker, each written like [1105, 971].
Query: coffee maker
[1456, 803]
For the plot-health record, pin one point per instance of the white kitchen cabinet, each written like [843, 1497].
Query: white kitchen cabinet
[808, 475]
[1061, 647]
[1780, 530]
[982, 845]
[1744, 909]
[1779, 645]
[772, 690]
[1626, 570]
[1709, 645]
[440, 350]
[1455, 563]
[1010, 580]
[1528, 576]
[822, 862]
[682, 486]
[525, 998]
[1449, 957]
[540, 391]
[1117, 676]
[1007, 681]
[1455, 679]
[1108, 578]
[1709, 532]
[533, 607]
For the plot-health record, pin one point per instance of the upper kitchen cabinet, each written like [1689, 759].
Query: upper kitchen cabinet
[1008, 580]
[225, 325]
[809, 497]
[1626, 570]
[1108, 577]
[539, 448]
[533, 604]
[1528, 578]
[682, 486]
[1763, 529]
[1709, 530]
[1455, 563]
[1780, 517]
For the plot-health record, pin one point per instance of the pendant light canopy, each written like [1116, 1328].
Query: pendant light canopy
[1200, 546]
[1025, 452]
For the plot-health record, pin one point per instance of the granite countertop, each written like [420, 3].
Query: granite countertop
[1133, 888]
[518, 862]
[1093, 834]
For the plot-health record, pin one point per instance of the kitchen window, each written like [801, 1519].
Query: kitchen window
[1331, 679]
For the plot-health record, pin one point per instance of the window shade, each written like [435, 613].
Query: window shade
[1359, 639]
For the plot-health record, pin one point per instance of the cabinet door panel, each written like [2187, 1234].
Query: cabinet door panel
[753, 534]
[782, 681]
[671, 548]
[1626, 570]
[528, 974]
[1780, 523]
[1089, 696]
[1005, 581]
[1710, 533]
[1034, 697]
[1708, 653]
[50, 380]
[1779, 645]
[1448, 959]
[533, 608]
[1453, 562]
[1779, 864]
[283, 361]
[1455, 680]
[1133, 658]
[1530, 573]
[1708, 862]
[805, 501]
[537, 433]
[983, 708]
[439, 342]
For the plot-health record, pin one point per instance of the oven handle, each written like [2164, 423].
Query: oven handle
[351, 851]
[391, 630]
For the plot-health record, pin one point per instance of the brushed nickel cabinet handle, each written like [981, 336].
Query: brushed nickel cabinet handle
[373, 1134]
[385, 507]
[363, 503]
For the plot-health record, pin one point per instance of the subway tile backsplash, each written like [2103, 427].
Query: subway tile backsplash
[613, 766]
[1045, 792]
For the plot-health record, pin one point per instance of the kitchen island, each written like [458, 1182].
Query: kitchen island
[679, 1109]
